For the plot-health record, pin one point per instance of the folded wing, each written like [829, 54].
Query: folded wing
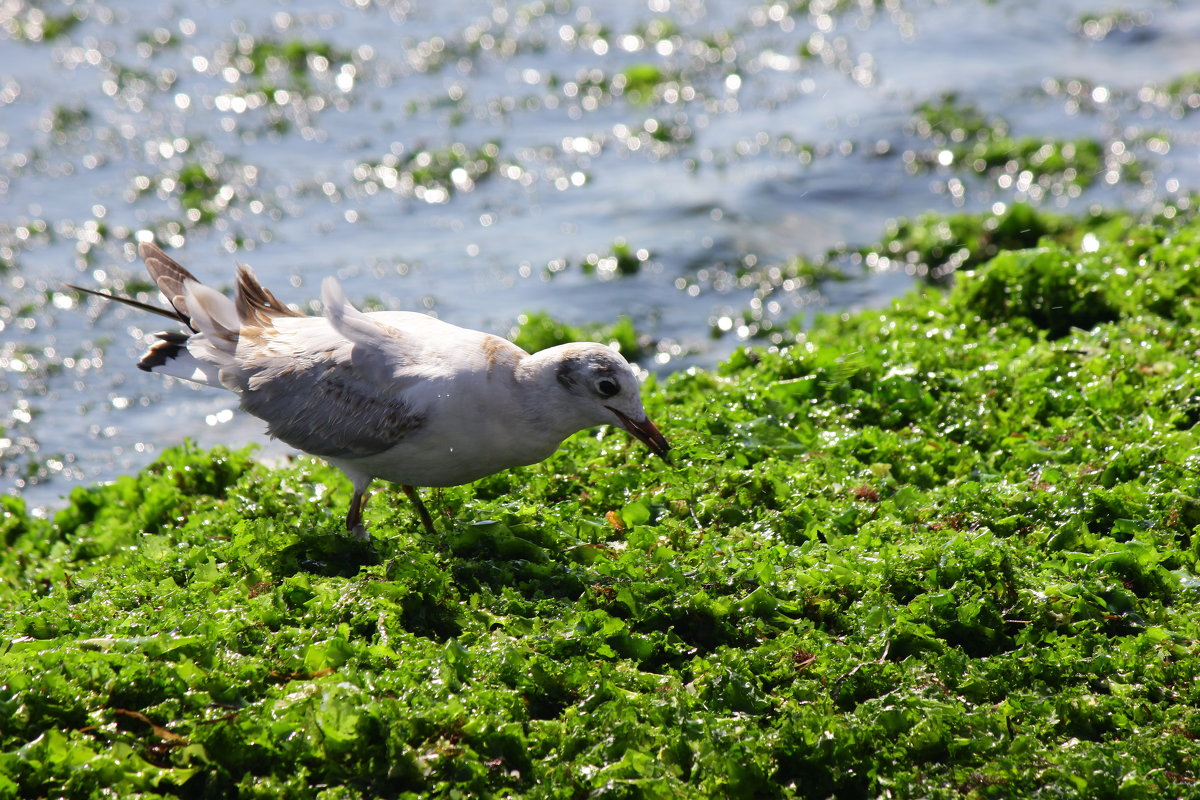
[333, 386]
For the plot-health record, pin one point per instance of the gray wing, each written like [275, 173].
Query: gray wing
[349, 384]
[323, 394]
[328, 409]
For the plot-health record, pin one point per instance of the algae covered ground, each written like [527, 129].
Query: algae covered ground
[943, 549]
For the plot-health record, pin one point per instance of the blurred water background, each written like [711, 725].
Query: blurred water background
[667, 161]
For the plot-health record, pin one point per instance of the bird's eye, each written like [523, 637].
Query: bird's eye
[606, 387]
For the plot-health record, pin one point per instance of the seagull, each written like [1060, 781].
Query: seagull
[393, 395]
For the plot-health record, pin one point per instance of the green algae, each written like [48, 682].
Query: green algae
[36, 24]
[432, 175]
[984, 146]
[947, 548]
[538, 330]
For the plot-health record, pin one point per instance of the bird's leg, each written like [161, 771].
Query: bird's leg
[354, 523]
[426, 520]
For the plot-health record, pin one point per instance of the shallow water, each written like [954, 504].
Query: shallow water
[716, 137]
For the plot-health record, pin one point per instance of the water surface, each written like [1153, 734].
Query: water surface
[479, 161]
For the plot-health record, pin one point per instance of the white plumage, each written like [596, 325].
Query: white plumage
[388, 394]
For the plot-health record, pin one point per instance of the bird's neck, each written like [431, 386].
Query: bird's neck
[548, 404]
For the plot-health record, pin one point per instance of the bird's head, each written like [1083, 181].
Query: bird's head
[604, 387]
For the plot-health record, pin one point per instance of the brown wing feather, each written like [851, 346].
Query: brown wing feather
[168, 275]
[256, 305]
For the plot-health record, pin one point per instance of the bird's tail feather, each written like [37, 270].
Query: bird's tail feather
[211, 317]
[172, 355]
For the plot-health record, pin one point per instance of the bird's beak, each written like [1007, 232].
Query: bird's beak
[647, 433]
